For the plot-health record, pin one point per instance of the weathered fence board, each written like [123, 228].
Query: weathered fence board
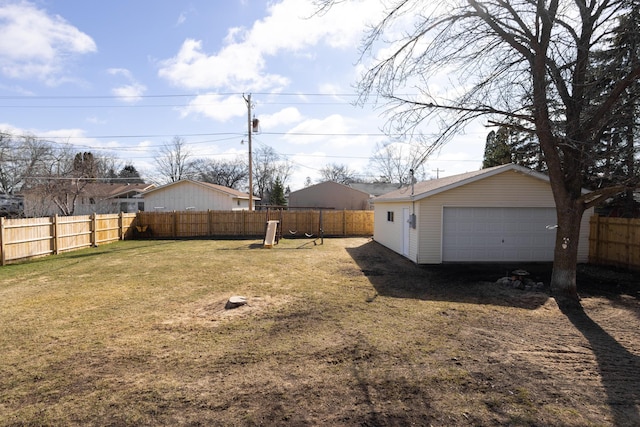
[615, 241]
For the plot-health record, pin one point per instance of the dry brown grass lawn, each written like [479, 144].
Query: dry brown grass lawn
[345, 333]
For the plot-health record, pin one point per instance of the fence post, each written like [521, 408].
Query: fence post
[120, 227]
[344, 222]
[175, 224]
[3, 246]
[627, 244]
[55, 234]
[94, 230]
[596, 239]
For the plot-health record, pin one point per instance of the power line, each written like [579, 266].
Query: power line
[236, 134]
[138, 106]
[181, 95]
[349, 99]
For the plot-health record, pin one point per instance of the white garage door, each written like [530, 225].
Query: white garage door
[498, 234]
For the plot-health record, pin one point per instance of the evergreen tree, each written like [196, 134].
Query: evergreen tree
[616, 157]
[84, 165]
[129, 175]
[508, 145]
[276, 195]
[497, 151]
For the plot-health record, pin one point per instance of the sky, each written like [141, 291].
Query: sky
[123, 78]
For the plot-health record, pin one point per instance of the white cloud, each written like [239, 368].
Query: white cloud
[235, 67]
[216, 107]
[64, 135]
[35, 44]
[181, 19]
[332, 126]
[286, 116]
[12, 130]
[290, 26]
[96, 120]
[59, 135]
[130, 92]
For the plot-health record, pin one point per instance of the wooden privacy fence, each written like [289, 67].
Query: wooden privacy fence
[615, 241]
[612, 241]
[252, 224]
[30, 237]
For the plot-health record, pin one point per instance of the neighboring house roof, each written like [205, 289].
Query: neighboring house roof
[429, 188]
[110, 191]
[328, 183]
[103, 190]
[220, 188]
[375, 189]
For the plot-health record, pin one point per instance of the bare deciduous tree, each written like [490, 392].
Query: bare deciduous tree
[521, 61]
[337, 173]
[268, 166]
[174, 161]
[21, 159]
[229, 173]
[393, 162]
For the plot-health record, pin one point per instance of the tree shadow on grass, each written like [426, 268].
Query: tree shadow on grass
[618, 368]
[395, 276]
[621, 287]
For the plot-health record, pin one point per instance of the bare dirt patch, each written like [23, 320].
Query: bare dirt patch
[212, 310]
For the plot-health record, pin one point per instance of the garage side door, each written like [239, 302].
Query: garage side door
[498, 234]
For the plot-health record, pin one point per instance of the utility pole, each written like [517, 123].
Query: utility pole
[248, 101]
[437, 171]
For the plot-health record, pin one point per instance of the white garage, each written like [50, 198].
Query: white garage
[491, 234]
[500, 214]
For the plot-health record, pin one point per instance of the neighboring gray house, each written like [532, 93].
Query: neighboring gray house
[195, 195]
[375, 189]
[502, 214]
[329, 195]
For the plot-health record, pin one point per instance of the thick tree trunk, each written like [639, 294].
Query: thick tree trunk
[563, 279]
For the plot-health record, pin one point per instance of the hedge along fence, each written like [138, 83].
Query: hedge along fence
[253, 224]
[31, 237]
[615, 241]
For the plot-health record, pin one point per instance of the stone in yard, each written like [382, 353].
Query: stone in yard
[505, 281]
[235, 302]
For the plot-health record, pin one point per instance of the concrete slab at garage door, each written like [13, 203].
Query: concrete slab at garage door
[498, 234]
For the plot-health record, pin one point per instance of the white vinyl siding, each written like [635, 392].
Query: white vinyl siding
[391, 234]
[183, 195]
